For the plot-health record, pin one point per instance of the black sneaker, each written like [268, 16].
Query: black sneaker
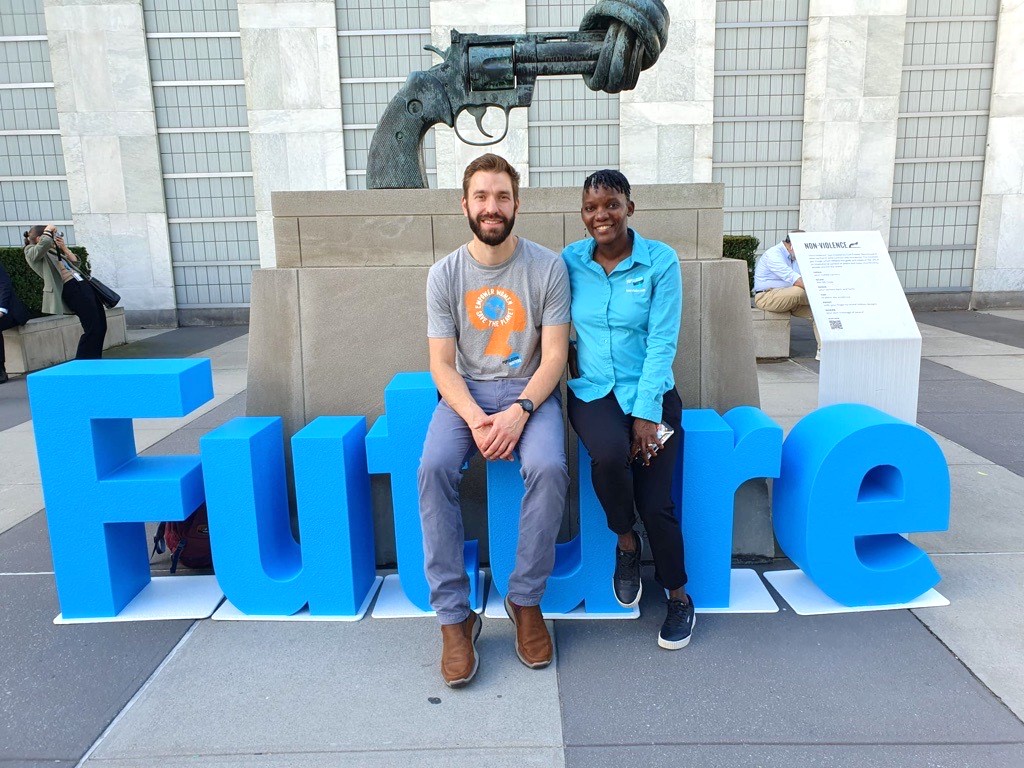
[679, 624]
[626, 580]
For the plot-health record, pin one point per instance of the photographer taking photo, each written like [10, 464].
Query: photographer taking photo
[64, 290]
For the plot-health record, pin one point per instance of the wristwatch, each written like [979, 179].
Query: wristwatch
[526, 405]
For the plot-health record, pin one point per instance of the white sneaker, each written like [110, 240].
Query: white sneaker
[817, 355]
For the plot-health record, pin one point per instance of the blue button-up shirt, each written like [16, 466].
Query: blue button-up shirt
[627, 324]
[775, 268]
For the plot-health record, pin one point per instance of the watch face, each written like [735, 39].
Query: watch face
[527, 405]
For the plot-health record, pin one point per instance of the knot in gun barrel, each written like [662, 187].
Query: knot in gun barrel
[636, 32]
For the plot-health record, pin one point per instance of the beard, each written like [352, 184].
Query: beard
[492, 238]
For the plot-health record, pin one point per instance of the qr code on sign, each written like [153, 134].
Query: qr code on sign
[835, 325]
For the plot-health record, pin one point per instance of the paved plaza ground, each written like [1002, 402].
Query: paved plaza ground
[938, 687]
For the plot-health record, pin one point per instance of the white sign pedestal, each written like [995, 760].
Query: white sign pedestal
[870, 343]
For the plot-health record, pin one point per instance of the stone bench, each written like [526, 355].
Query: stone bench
[771, 333]
[53, 339]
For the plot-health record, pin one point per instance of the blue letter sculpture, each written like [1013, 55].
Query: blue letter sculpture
[583, 567]
[260, 566]
[394, 446]
[719, 454]
[852, 477]
[99, 493]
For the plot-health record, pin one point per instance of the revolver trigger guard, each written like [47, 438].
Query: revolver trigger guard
[479, 123]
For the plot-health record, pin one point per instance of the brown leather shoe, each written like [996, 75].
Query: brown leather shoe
[533, 643]
[459, 661]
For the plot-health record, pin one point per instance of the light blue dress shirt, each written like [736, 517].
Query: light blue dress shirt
[627, 324]
[775, 268]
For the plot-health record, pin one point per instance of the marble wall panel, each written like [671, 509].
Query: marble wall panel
[105, 104]
[999, 261]
[852, 88]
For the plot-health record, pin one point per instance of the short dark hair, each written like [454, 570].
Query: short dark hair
[492, 163]
[34, 231]
[792, 231]
[609, 179]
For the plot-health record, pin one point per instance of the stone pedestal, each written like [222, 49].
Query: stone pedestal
[345, 309]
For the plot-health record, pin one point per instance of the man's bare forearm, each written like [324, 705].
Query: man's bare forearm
[453, 389]
[544, 381]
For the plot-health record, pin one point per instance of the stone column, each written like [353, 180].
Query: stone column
[666, 123]
[293, 91]
[851, 105]
[104, 100]
[999, 260]
[484, 17]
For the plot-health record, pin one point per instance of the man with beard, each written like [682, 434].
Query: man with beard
[498, 335]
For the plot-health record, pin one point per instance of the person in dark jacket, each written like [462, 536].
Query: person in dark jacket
[12, 313]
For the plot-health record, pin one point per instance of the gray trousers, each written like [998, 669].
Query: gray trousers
[449, 443]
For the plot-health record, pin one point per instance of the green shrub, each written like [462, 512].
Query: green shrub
[27, 284]
[744, 248]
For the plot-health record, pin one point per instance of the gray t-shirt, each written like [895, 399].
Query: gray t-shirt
[495, 313]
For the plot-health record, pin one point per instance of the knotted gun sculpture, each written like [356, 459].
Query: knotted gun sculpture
[617, 39]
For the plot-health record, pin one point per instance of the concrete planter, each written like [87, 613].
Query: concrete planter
[46, 341]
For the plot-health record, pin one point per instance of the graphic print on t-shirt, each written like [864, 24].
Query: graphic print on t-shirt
[498, 310]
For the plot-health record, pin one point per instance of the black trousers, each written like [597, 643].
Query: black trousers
[83, 301]
[6, 321]
[625, 488]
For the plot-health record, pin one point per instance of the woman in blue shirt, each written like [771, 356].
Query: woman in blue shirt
[626, 307]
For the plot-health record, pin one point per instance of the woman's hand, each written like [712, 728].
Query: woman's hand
[66, 251]
[645, 443]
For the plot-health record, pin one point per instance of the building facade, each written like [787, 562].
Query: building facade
[154, 131]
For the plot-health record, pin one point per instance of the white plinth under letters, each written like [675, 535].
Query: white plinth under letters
[166, 598]
[228, 612]
[496, 610]
[806, 599]
[747, 594]
[870, 343]
[393, 604]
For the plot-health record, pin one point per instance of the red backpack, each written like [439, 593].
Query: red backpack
[188, 541]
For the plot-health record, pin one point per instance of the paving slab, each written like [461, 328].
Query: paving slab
[232, 407]
[983, 325]
[365, 687]
[784, 371]
[447, 757]
[968, 394]
[181, 342]
[63, 685]
[988, 367]
[788, 398]
[932, 371]
[799, 756]
[1009, 314]
[962, 345]
[13, 402]
[1017, 385]
[986, 512]
[999, 437]
[864, 678]
[25, 548]
[986, 629]
[17, 502]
